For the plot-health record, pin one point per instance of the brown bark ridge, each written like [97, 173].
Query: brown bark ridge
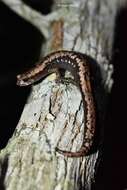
[53, 115]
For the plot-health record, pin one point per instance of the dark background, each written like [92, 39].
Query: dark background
[20, 44]
[112, 173]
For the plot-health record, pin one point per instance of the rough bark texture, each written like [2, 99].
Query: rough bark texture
[53, 115]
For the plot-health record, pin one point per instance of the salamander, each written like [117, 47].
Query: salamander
[78, 65]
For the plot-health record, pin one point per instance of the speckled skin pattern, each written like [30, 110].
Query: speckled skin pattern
[78, 65]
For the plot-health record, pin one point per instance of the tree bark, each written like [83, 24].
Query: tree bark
[53, 115]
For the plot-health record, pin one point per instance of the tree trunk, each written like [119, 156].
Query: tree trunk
[53, 115]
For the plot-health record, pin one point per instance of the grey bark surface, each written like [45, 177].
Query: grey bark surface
[53, 115]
